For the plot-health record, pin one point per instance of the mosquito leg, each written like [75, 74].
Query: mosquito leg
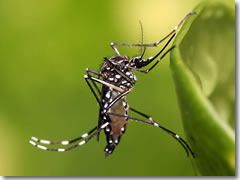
[170, 49]
[109, 85]
[148, 70]
[140, 113]
[174, 135]
[74, 146]
[98, 100]
[89, 77]
[64, 142]
[149, 60]
[115, 49]
[74, 140]
[94, 83]
[93, 71]
[104, 83]
[94, 93]
[152, 44]
[106, 116]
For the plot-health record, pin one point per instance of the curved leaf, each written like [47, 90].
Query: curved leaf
[203, 68]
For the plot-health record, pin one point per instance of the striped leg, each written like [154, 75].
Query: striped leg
[142, 114]
[87, 78]
[113, 45]
[104, 83]
[122, 94]
[148, 61]
[74, 146]
[148, 70]
[174, 135]
[64, 142]
[96, 73]
[144, 63]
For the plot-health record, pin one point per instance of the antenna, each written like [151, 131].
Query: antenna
[141, 50]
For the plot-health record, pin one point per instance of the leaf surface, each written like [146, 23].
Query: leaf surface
[203, 68]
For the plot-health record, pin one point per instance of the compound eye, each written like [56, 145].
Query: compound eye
[134, 62]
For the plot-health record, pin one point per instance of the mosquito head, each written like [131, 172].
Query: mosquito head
[136, 62]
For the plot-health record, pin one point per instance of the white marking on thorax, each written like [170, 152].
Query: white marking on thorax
[108, 94]
[123, 87]
[128, 73]
[118, 76]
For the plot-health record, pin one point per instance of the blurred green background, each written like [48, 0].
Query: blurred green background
[45, 47]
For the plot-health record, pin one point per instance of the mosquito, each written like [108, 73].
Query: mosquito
[117, 80]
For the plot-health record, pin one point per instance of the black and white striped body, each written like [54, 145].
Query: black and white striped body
[116, 72]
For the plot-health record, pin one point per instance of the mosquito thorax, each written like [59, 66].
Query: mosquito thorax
[118, 60]
[117, 71]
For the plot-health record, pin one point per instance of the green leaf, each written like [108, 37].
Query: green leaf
[203, 68]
